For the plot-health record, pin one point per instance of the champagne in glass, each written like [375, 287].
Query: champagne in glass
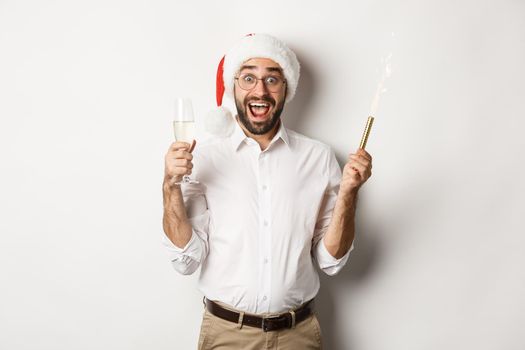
[183, 130]
[183, 127]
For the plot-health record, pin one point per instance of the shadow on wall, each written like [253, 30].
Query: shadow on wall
[335, 321]
[294, 114]
[367, 248]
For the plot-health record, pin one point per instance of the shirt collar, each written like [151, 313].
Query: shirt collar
[238, 135]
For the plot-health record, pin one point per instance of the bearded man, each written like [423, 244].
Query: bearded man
[269, 206]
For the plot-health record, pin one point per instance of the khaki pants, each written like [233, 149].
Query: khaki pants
[219, 334]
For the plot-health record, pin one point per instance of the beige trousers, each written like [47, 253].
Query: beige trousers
[219, 334]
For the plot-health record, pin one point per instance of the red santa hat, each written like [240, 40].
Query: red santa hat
[220, 121]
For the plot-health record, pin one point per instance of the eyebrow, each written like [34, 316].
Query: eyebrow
[269, 69]
[274, 69]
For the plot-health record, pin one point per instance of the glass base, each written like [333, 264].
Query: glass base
[187, 180]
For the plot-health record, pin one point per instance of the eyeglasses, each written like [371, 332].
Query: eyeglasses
[248, 81]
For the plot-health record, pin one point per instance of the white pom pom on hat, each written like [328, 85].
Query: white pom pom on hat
[220, 121]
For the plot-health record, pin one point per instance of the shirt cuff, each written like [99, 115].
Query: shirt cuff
[192, 250]
[329, 263]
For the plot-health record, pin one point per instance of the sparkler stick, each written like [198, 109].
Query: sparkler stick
[368, 126]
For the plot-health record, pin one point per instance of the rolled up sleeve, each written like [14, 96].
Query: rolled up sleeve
[328, 263]
[186, 260]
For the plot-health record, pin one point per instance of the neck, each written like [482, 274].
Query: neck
[264, 139]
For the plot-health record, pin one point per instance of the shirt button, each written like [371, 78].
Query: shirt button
[264, 187]
[264, 297]
[265, 223]
[266, 260]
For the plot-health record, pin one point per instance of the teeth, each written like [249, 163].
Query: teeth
[259, 105]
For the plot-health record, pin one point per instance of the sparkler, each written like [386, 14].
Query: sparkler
[387, 71]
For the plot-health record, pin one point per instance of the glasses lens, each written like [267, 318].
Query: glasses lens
[247, 81]
[273, 83]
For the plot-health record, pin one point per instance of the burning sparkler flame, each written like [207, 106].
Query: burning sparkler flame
[387, 72]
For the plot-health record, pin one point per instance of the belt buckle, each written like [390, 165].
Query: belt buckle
[264, 325]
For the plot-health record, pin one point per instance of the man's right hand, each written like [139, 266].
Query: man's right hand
[177, 161]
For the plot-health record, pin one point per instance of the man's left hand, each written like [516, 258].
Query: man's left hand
[356, 171]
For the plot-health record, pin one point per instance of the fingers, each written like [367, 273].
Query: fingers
[177, 171]
[180, 171]
[181, 149]
[181, 154]
[194, 142]
[364, 153]
[178, 167]
[360, 168]
[360, 163]
[180, 145]
[359, 159]
[178, 159]
[183, 163]
[354, 170]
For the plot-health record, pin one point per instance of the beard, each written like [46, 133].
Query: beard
[263, 127]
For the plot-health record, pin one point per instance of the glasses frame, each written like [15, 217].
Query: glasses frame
[263, 81]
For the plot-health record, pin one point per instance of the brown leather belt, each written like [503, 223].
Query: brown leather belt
[285, 320]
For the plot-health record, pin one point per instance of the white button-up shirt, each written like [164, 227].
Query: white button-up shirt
[258, 220]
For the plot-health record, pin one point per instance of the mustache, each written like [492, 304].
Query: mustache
[265, 98]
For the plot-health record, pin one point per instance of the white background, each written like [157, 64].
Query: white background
[86, 101]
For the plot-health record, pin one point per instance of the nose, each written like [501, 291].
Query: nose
[260, 88]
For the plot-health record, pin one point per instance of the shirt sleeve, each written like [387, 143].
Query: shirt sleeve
[328, 263]
[186, 260]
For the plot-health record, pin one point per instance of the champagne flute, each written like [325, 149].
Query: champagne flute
[183, 125]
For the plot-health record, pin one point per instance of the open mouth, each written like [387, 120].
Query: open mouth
[259, 110]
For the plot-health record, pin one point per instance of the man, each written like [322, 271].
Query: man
[269, 203]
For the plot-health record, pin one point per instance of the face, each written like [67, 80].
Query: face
[259, 109]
